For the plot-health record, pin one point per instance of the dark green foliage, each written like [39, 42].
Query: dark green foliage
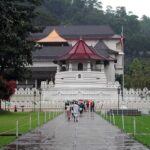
[3, 88]
[145, 25]
[15, 49]
[71, 12]
[138, 75]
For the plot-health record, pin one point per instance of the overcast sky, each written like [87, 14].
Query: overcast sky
[138, 7]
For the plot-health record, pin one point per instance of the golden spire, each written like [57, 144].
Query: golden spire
[52, 37]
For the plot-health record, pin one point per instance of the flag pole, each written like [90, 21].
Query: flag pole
[122, 43]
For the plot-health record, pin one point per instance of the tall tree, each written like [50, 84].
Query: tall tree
[15, 49]
[16, 24]
[145, 25]
[138, 75]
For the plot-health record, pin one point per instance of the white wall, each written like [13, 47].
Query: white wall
[53, 97]
[111, 44]
[43, 64]
[88, 42]
[111, 72]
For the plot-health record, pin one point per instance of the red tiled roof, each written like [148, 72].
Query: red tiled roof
[81, 51]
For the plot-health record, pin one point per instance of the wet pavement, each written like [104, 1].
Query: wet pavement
[90, 133]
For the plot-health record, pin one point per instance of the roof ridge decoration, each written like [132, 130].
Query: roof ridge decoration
[81, 51]
[52, 37]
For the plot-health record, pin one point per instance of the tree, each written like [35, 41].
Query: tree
[15, 48]
[145, 24]
[138, 75]
[16, 24]
[7, 88]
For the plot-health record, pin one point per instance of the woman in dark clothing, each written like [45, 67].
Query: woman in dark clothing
[92, 106]
[81, 107]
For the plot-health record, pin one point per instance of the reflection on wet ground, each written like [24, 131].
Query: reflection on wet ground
[90, 133]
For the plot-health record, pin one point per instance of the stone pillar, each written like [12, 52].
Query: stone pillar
[98, 67]
[36, 84]
[58, 68]
[70, 66]
[111, 71]
[102, 66]
[88, 66]
[26, 82]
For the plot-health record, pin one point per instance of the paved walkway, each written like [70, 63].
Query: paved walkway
[90, 133]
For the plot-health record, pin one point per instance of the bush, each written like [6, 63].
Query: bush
[7, 88]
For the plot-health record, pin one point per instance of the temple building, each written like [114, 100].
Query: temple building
[77, 62]
[81, 66]
[101, 52]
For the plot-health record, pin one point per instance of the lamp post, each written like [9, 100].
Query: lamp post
[118, 90]
[40, 92]
[34, 99]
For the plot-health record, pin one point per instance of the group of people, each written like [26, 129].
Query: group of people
[72, 109]
[76, 108]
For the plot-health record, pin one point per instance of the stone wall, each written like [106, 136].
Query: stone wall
[52, 98]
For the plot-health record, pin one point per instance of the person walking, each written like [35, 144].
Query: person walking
[75, 111]
[92, 106]
[68, 111]
[81, 108]
[71, 107]
[15, 108]
[87, 105]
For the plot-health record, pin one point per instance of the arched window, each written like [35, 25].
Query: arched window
[79, 75]
[63, 68]
[80, 67]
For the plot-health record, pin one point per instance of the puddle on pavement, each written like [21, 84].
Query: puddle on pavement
[124, 142]
[22, 147]
[32, 142]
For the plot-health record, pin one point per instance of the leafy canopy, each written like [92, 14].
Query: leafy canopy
[16, 24]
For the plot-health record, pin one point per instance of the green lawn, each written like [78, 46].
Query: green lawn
[8, 123]
[142, 128]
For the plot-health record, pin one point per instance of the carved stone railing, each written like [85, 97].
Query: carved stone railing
[51, 97]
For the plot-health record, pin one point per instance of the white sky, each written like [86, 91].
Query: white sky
[138, 7]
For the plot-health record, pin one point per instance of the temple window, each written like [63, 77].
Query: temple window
[63, 62]
[80, 67]
[79, 75]
[98, 62]
[63, 68]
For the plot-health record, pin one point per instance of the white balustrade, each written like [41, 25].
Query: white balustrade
[108, 96]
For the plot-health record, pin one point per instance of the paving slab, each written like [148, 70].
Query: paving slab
[91, 132]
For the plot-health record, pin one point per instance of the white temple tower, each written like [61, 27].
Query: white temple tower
[81, 75]
[81, 67]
